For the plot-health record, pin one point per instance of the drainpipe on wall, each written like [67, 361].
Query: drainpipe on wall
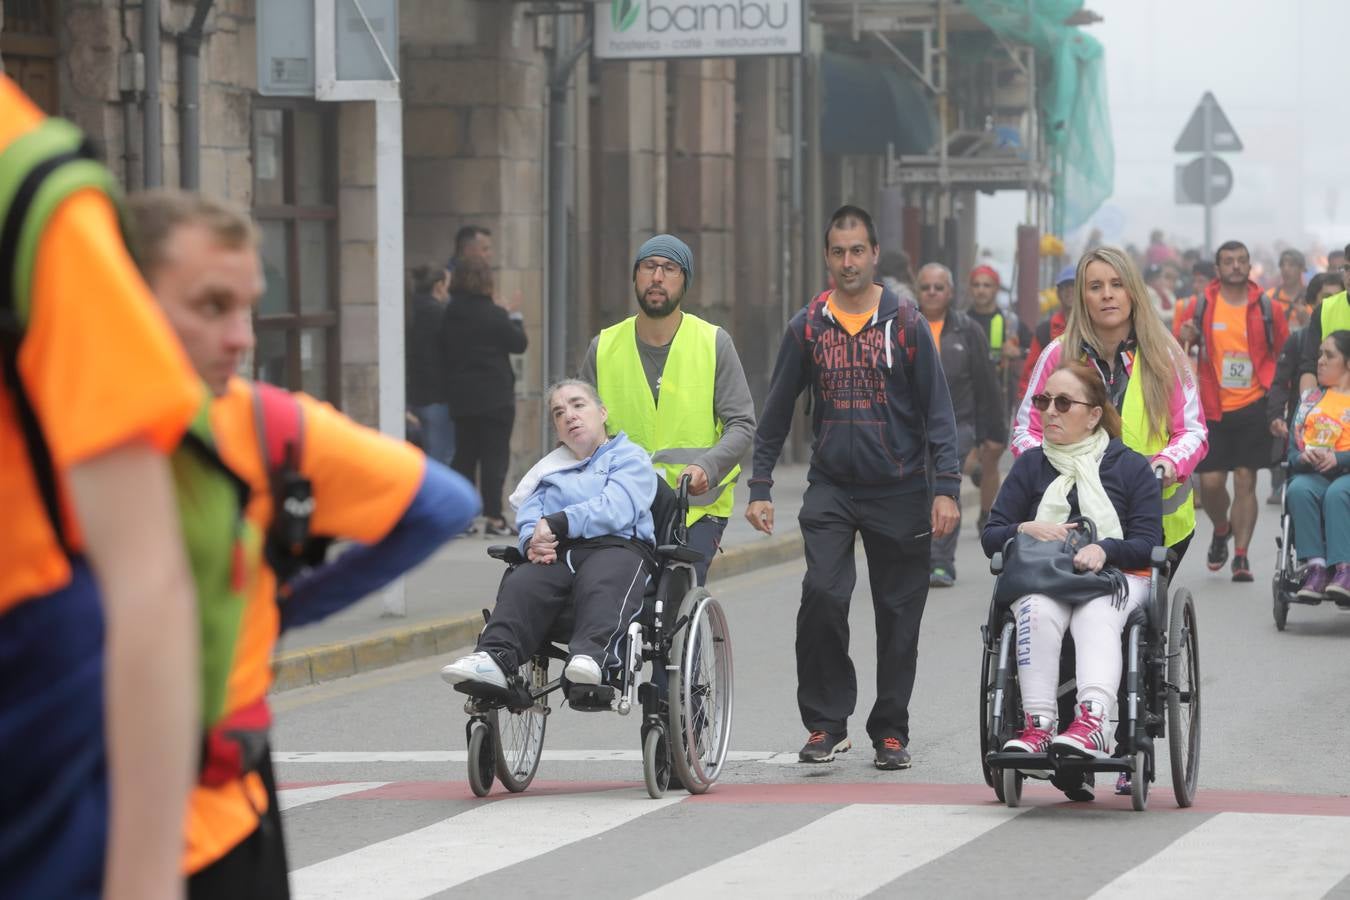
[189, 98]
[152, 123]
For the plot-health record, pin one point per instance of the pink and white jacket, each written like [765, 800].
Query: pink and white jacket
[1190, 437]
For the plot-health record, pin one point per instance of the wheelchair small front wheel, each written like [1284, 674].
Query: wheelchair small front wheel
[1281, 606]
[1139, 782]
[482, 758]
[656, 762]
[701, 691]
[1011, 781]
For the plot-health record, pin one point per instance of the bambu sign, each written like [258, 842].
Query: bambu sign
[658, 29]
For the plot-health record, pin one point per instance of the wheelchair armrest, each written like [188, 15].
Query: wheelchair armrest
[678, 553]
[507, 553]
[996, 564]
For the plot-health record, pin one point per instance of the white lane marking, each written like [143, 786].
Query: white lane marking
[768, 757]
[1244, 855]
[480, 840]
[866, 845]
[290, 798]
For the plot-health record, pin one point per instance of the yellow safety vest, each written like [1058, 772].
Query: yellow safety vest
[996, 337]
[679, 428]
[1335, 314]
[1178, 501]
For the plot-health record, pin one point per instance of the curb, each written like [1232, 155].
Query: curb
[327, 662]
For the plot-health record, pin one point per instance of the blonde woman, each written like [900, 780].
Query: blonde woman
[1148, 379]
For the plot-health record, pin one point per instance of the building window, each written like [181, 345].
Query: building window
[295, 203]
[28, 45]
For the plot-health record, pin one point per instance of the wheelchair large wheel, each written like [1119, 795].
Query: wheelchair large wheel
[700, 701]
[656, 762]
[1183, 698]
[518, 737]
[986, 711]
[482, 757]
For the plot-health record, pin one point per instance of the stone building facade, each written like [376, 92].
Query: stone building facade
[696, 147]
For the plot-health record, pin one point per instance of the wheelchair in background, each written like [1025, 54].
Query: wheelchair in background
[1289, 573]
[1161, 700]
[686, 704]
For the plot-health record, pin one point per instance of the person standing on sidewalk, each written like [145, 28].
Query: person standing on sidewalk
[976, 400]
[880, 412]
[478, 337]
[703, 422]
[200, 259]
[1290, 289]
[1239, 339]
[426, 377]
[1050, 328]
[98, 619]
[1006, 336]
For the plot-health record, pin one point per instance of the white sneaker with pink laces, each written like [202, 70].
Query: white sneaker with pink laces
[1086, 737]
[1035, 737]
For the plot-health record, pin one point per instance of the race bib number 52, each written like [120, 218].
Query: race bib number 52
[1237, 370]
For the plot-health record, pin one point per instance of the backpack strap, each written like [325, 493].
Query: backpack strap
[1267, 319]
[289, 545]
[38, 171]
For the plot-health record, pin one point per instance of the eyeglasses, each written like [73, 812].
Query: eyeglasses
[1062, 402]
[669, 269]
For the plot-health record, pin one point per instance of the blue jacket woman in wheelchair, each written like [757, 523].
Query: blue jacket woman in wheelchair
[1082, 468]
[586, 533]
[1318, 495]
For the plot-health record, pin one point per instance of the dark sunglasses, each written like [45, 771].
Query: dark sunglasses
[1062, 403]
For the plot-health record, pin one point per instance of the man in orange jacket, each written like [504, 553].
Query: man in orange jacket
[200, 259]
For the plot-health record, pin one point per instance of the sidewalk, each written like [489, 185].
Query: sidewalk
[446, 594]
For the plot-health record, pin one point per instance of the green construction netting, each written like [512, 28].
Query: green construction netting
[1073, 100]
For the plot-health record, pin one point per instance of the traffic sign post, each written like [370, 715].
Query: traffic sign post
[1207, 131]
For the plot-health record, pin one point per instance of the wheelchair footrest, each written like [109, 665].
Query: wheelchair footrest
[1058, 762]
[514, 697]
[591, 697]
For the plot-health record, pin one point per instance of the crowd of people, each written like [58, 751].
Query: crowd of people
[155, 482]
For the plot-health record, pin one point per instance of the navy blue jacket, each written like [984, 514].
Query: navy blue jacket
[1129, 482]
[875, 416]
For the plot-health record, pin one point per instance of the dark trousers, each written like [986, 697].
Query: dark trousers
[483, 449]
[603, 586]
[705, 536]
[896, 534]
[257, 867]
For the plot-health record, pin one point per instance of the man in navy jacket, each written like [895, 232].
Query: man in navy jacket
[880, 411]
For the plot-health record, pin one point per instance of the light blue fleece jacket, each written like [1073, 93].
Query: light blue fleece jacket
[608, 493]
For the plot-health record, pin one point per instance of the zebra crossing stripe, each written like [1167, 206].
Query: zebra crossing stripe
[290, 798]
[855, 850]
[1243, 855]
[484, 839]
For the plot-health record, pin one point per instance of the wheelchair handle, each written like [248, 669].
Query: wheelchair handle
[682, 506]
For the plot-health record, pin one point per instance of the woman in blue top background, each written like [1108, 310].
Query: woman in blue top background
[585, 522]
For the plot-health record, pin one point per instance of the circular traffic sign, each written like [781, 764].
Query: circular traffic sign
[1193, 180]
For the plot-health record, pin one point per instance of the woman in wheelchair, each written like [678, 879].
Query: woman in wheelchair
[1081, 468]
[1318, 496]
[586, 533]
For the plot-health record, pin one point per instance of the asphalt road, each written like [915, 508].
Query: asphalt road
[378, 804]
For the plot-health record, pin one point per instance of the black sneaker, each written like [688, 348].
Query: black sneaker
[1218, 550]
[891, 754]
[1077, 786]
[821, 747]
[1242, 570]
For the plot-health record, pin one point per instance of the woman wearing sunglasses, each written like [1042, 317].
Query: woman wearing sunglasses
[1081, 468]
[1148, 380]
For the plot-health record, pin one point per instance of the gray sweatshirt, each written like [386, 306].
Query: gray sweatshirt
[732, 403]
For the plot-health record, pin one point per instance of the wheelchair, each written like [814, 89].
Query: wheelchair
[1289, 573]
[1161, 697]
[686, 705]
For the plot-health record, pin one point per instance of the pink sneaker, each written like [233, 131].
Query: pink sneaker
[1339, 589]
[1086, 737]
[1035, 737]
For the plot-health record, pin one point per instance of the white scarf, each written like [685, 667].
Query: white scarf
[1079, 465]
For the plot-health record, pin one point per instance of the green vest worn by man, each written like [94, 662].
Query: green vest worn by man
[38, 171]
[1178, 501]
[679, 428]
[1335, 314]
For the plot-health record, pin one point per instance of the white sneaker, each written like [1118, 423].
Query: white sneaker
[582, 670]
[479, 667]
